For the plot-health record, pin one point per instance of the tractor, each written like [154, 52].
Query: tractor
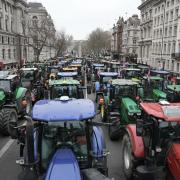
[64, 87]
[15, 101]
[31, 79]
[173, 93]
[101, 89]
[62, 141]
[120, 104]
[150, 148]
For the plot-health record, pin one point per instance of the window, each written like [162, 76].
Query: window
[8, 40]
[173, 47]
[2, 39]
[134, 41]
[3, 53]
[175, 30]
[176, 12]
[9, 53]
[14, 53]
[166, 31]
[167, 17]
[5, 6]
[171, 15]
[170, 31]
[168, 3]
[177, 67]
[172, 2]
[6, 21]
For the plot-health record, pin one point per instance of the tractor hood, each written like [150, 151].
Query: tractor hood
[159, 94]
[131, 105]
[63, 166]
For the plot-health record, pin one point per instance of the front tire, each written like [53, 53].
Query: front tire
[8, 120]
[127, 157]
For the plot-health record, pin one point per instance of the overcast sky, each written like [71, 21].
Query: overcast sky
[80, 17]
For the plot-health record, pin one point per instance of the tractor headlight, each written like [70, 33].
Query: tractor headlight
[130, 114]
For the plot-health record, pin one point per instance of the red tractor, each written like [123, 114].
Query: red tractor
[151, 148]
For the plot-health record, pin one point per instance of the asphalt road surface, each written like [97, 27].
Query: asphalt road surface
[9, 151]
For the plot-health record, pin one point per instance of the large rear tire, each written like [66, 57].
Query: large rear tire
[8, 118]
[127, 157]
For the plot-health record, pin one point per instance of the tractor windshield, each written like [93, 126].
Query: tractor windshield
[171, 111]
[66, 90]
[125, 91]
[65, 134]
[5, 85]
[27, 75]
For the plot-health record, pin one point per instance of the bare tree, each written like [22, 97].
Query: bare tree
[98, 42]
[41, 32]
[62, 42]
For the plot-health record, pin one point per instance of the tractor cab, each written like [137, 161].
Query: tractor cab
[62, 141]
[153, 143]
[8, 82]
[65, 87]
[31, 79]
[153, 88]
[29, 76]
[144, 69]
[129, 73]
[173, 93]
[121, 102]
[53, 70]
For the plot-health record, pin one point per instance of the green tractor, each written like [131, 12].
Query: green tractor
[15, 102]
[64, 87]
[122, 106]
[173, 93]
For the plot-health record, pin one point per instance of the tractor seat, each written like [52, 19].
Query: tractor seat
[114, 114]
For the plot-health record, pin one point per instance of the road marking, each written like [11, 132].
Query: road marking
[6, 147]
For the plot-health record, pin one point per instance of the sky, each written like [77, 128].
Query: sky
[80, 17]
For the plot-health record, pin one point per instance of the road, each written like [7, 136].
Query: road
[9, 150]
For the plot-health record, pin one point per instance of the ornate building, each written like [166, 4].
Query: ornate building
[13, 41]
[38, 13]
[131, 33]
[160, 39]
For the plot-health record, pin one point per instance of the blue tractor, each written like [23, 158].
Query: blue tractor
[61, 141]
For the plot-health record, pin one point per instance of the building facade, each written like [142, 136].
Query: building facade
[38, 13]
[13, 40]
[160, 27]
[131, 33]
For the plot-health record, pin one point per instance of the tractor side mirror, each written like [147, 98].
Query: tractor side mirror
[139, 127]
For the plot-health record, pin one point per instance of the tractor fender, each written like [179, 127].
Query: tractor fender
[98, 142]
[173, 161]
[136, 141]
[20, 93]
[2, 95]
[64, 166]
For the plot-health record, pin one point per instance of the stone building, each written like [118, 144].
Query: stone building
[37, 12]
[160, 38]
[131, 33]
[116, 39]
[13, 41]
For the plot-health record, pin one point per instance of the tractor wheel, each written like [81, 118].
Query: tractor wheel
[114, 132]
[28, 99]
[8, 120]
[127, 157]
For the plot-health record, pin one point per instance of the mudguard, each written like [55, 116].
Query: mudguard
[2, 95]
[63, 166]
[98, 142]
[173, 161]
[136, 141]
[20, 93]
